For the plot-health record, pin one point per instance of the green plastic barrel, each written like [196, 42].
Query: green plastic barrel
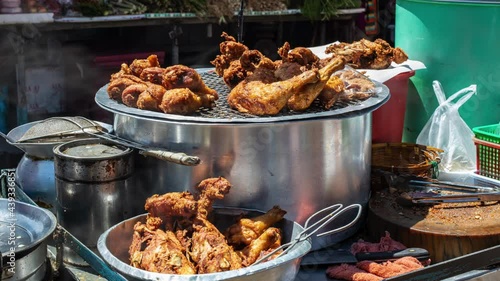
[459, 42]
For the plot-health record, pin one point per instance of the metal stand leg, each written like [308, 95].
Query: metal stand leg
[174, 35]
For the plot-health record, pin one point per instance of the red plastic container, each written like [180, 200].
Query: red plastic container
[388, 120]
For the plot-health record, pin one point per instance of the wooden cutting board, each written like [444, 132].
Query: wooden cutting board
[446, 230]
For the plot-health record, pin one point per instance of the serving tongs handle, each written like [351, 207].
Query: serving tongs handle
[315, 227]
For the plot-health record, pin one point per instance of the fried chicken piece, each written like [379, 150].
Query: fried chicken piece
[163, 253]
[209, 248]
[181, 76]
[151, 98]
[138, 65]
[258, 98]
[287, 70]
[247, 230]
[124, 70]
[301, 55]
[230, 50]
[331, 92]
[234, 74]
[116, 86]
[178, 204]
[153, 75]
[366, 54]
[131, 94]
[269, 240]
[180, 101]
[302, 99]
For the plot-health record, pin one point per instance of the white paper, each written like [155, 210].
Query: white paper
[379, 75]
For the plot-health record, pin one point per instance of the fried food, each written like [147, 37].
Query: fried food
[230, 50]
[258, 98]
[300, 55]
[116, 86]
[177, 89]
[331, 92]
[151, 98]
[248, 229]
[138, 65]
[179, 238]
[367, 54]
[302, 99]
[269, 240]
[131, 94]
[163, 252]
[180, 101]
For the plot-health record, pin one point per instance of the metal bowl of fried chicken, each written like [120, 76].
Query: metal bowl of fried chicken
[184, 237]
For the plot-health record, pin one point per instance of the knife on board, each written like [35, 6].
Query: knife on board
[331, 256]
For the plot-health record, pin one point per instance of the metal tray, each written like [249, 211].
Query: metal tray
[222, 113]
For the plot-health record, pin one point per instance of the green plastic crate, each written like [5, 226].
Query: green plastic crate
[487, 143]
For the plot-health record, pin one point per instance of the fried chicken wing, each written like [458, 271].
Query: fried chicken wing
[258, 98]
[248, 229]
[303, 98]
[230, 50]
[138, 65]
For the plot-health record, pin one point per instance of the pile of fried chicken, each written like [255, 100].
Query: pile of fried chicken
[261, 86]
[176, 89]
[179, 238]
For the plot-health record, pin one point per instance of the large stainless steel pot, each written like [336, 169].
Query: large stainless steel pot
[24, 231]
[302, 162]
[114, 243]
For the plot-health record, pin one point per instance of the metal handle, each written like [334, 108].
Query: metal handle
[176, 157]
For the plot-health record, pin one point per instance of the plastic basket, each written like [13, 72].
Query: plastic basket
[403, 159]
[487, 143]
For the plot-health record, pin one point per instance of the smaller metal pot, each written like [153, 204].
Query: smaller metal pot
[24, 231]
[93, 189]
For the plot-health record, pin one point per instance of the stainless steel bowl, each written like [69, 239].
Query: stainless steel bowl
[113, 246]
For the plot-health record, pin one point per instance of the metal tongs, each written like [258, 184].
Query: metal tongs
[431, 193]
[67, 126]
[309, 231]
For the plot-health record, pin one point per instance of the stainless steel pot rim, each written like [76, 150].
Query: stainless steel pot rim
[58, 150]
[299, 250]
[37, 234]
[355, 109]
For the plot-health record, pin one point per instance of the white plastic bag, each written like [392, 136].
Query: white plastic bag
[448, 131]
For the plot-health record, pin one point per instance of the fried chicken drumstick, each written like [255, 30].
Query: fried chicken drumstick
[178, 238]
